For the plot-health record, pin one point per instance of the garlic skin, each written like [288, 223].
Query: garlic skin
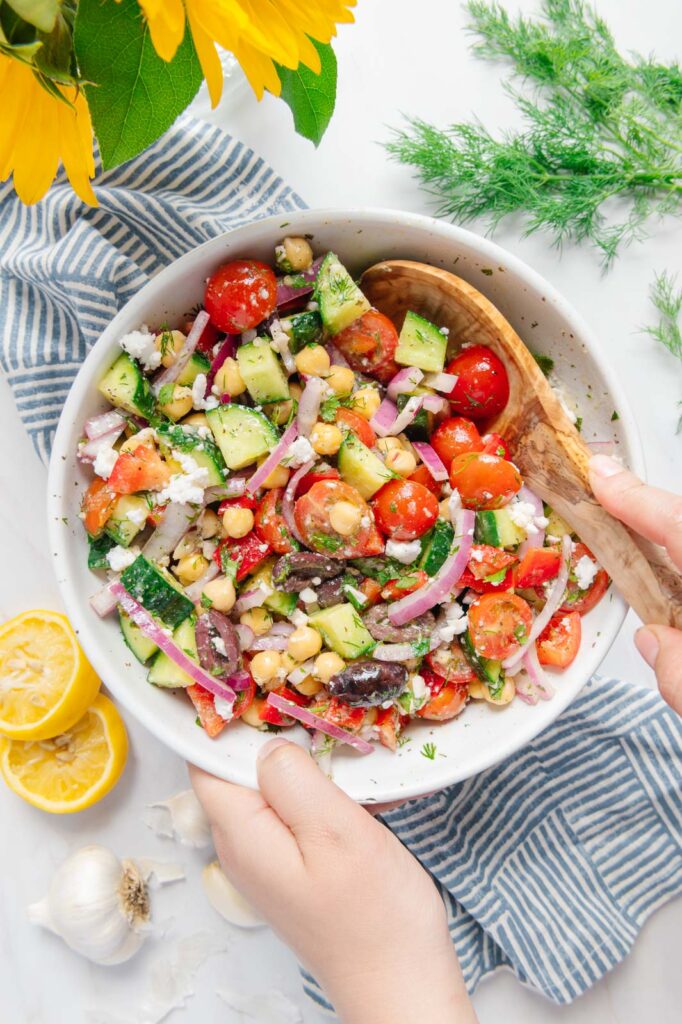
[227, 900]
[180, 817]
[97, 904]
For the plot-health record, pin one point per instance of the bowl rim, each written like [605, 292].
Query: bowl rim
[78, 610]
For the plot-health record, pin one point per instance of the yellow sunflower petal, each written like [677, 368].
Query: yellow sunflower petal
[259, 70]
[208, 58]
[166, 21]
[76, 144]
[36, 153]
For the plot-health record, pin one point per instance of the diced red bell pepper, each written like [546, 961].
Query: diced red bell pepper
[537, 566]
[388, 724]
[338, 713]
[467, 579]
[204, 702]
[248, 553]
[140, 470]
[245, 501]
[371, 590]
[307, 481]
[98, 504]
[272, 716]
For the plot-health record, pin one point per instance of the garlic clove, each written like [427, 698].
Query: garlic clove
[159, 872]
[180, 817]
[267, 1008]
[227, 900]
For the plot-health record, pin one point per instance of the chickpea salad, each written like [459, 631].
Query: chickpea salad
[302, 517]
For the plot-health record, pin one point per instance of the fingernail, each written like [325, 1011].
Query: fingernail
[268, 748]
[604, 465]
[647, 645]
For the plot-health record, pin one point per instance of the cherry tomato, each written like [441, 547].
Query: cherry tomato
[495, 444]
[244, 699]
[484, 481]
[404, 509]
[422, 476]
[388, 726]
[338, 713]
[537, 566]
[467, 579]
[395, 589]
[454, 436]
[271, 525]
[499, 624]
[371, 590]
[140, 470]
[559, 642]
[447, 704]
[311, 512]
[245, 501]
[204, 703]
[248, 552]
[369, 344]
[208, 338]
[314, 477]
[98, 504]
[357, 424]
[240, 294]
[450, 665]
[482, 387]
[485, 561]
[267, 713]
[583, 601]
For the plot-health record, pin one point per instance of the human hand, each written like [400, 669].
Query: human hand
[656, 515]
[356, 908]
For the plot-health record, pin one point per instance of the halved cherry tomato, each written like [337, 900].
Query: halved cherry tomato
[450, 665]
[140, 470]
[388, 726]
[267, 713]
[485, 560]
[338, 713]
[240, 294]
[404, 509]
[484, 481]
[369, 344]
[248, 552]
[245, 501]
[244, 699]
[271, 525]
[467, 579]
[204, 702]
[395, 589]
[559, 642]
[371, 590]
[98, 504]
[537, 566]
[314, 477]
[422, 476]
[447, 704]
[482, 387]
[208, 338]
[495, 444]
[499, 624]
[312, 519]
[583, 601]
[454, 436]
[357, 424]
[435, 681]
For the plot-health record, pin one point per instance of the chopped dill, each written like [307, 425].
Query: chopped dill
[429, 751]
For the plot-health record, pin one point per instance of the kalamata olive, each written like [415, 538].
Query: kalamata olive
[294, 572]
[368, 683]
[217, 643]
[380, 626]
[330, 592]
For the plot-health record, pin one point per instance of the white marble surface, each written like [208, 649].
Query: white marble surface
[399, 57]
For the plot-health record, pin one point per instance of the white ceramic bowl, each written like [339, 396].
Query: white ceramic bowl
[482, 735]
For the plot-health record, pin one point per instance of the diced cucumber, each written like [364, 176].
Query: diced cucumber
[203, 450]
[120, 528]
[278, 601]
[421, 344]
[242, 435]
[498, 529]
[98, 549]
[556, 526]
[343, 630]
[361, 468]
[126, 387]
[436, 546]
[157, 591]
[198, 363]
[488, 670]
[164, 671]
[262, 372]
[339, 298]
[302, 328]
[421, 427]
[141, 646]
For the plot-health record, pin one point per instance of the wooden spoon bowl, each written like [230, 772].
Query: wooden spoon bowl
[546, 446]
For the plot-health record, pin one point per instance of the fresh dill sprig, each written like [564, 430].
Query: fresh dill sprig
[667, 298]
[602, 133]
[429, 751]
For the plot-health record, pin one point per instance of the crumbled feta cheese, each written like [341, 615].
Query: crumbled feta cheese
[218, 644]
[365, 522]
[419, 688]
[316, 581]
[260, 342]
[187, 486]
[198, 391]
[137, 516]
[208, 549]
[105, 461]
[585, 570]
[298, 452]
[308, 595]
[224, 708]
[455, 623]
[204, 433]
[444, 330]
[522, 514]
[551, 539]
[312, 306]
[403, 551]
[298, 617]
[249, 336]
[357, 595]
[476, 555]
[120, 558]
[140, 345]
[469, 598]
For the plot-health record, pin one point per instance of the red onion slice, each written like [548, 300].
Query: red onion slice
[287, 292]
[280, 343]
[226, 351]
[335, 356]
[269, 643]
[314, 721]
[104, 601]
[436, 403]
[431, 460]
[177, 520]
[388, 421]
[537, 539]
[309, 405]
[290, 496]
[554, 599]
[89, 450]
[535, 684]
[246, 636]
[252, 599]
[232, 488]
[104, 423]
[444, 382]
[171, 373]
[273, 459]
[405, 380]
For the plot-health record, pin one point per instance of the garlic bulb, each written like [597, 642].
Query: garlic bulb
[227, 900]
[97, 904]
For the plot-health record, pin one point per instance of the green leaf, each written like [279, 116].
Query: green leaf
[311, 97]
[134, 96]
[41, 13]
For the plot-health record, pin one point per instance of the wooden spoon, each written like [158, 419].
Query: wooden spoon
[547, 448]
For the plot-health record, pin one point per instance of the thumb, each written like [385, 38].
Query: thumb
[661, 648]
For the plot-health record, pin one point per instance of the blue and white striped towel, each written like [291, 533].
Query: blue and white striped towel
[548, 863]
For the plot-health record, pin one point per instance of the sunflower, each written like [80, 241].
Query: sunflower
[38, 130]
[258, 33]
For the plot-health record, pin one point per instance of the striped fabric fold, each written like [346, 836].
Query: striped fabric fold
[551, 862]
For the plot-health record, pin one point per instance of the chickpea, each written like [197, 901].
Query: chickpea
[220, 592]
[252, 714]
[179, 405]
[295, 390]
[237, 521]
[146, 436]
[313, 360]
[278, 478]
[228, 379]
[366, 401]
[294, 254]
[278, 412]
[169, 343]
[478, 690]
[444, 508]
[210, 525]
[257, 619]
[326, 438]
[345, 517]
[304, 643]
[327, 665]
[387, 444]
[401, 462]
[188, 545]
[340, 379]
[309, 687]
[266, 666]
[191, 567]
[197, 419]
[506, 695]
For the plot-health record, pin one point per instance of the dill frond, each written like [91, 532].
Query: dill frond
[667, 299]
